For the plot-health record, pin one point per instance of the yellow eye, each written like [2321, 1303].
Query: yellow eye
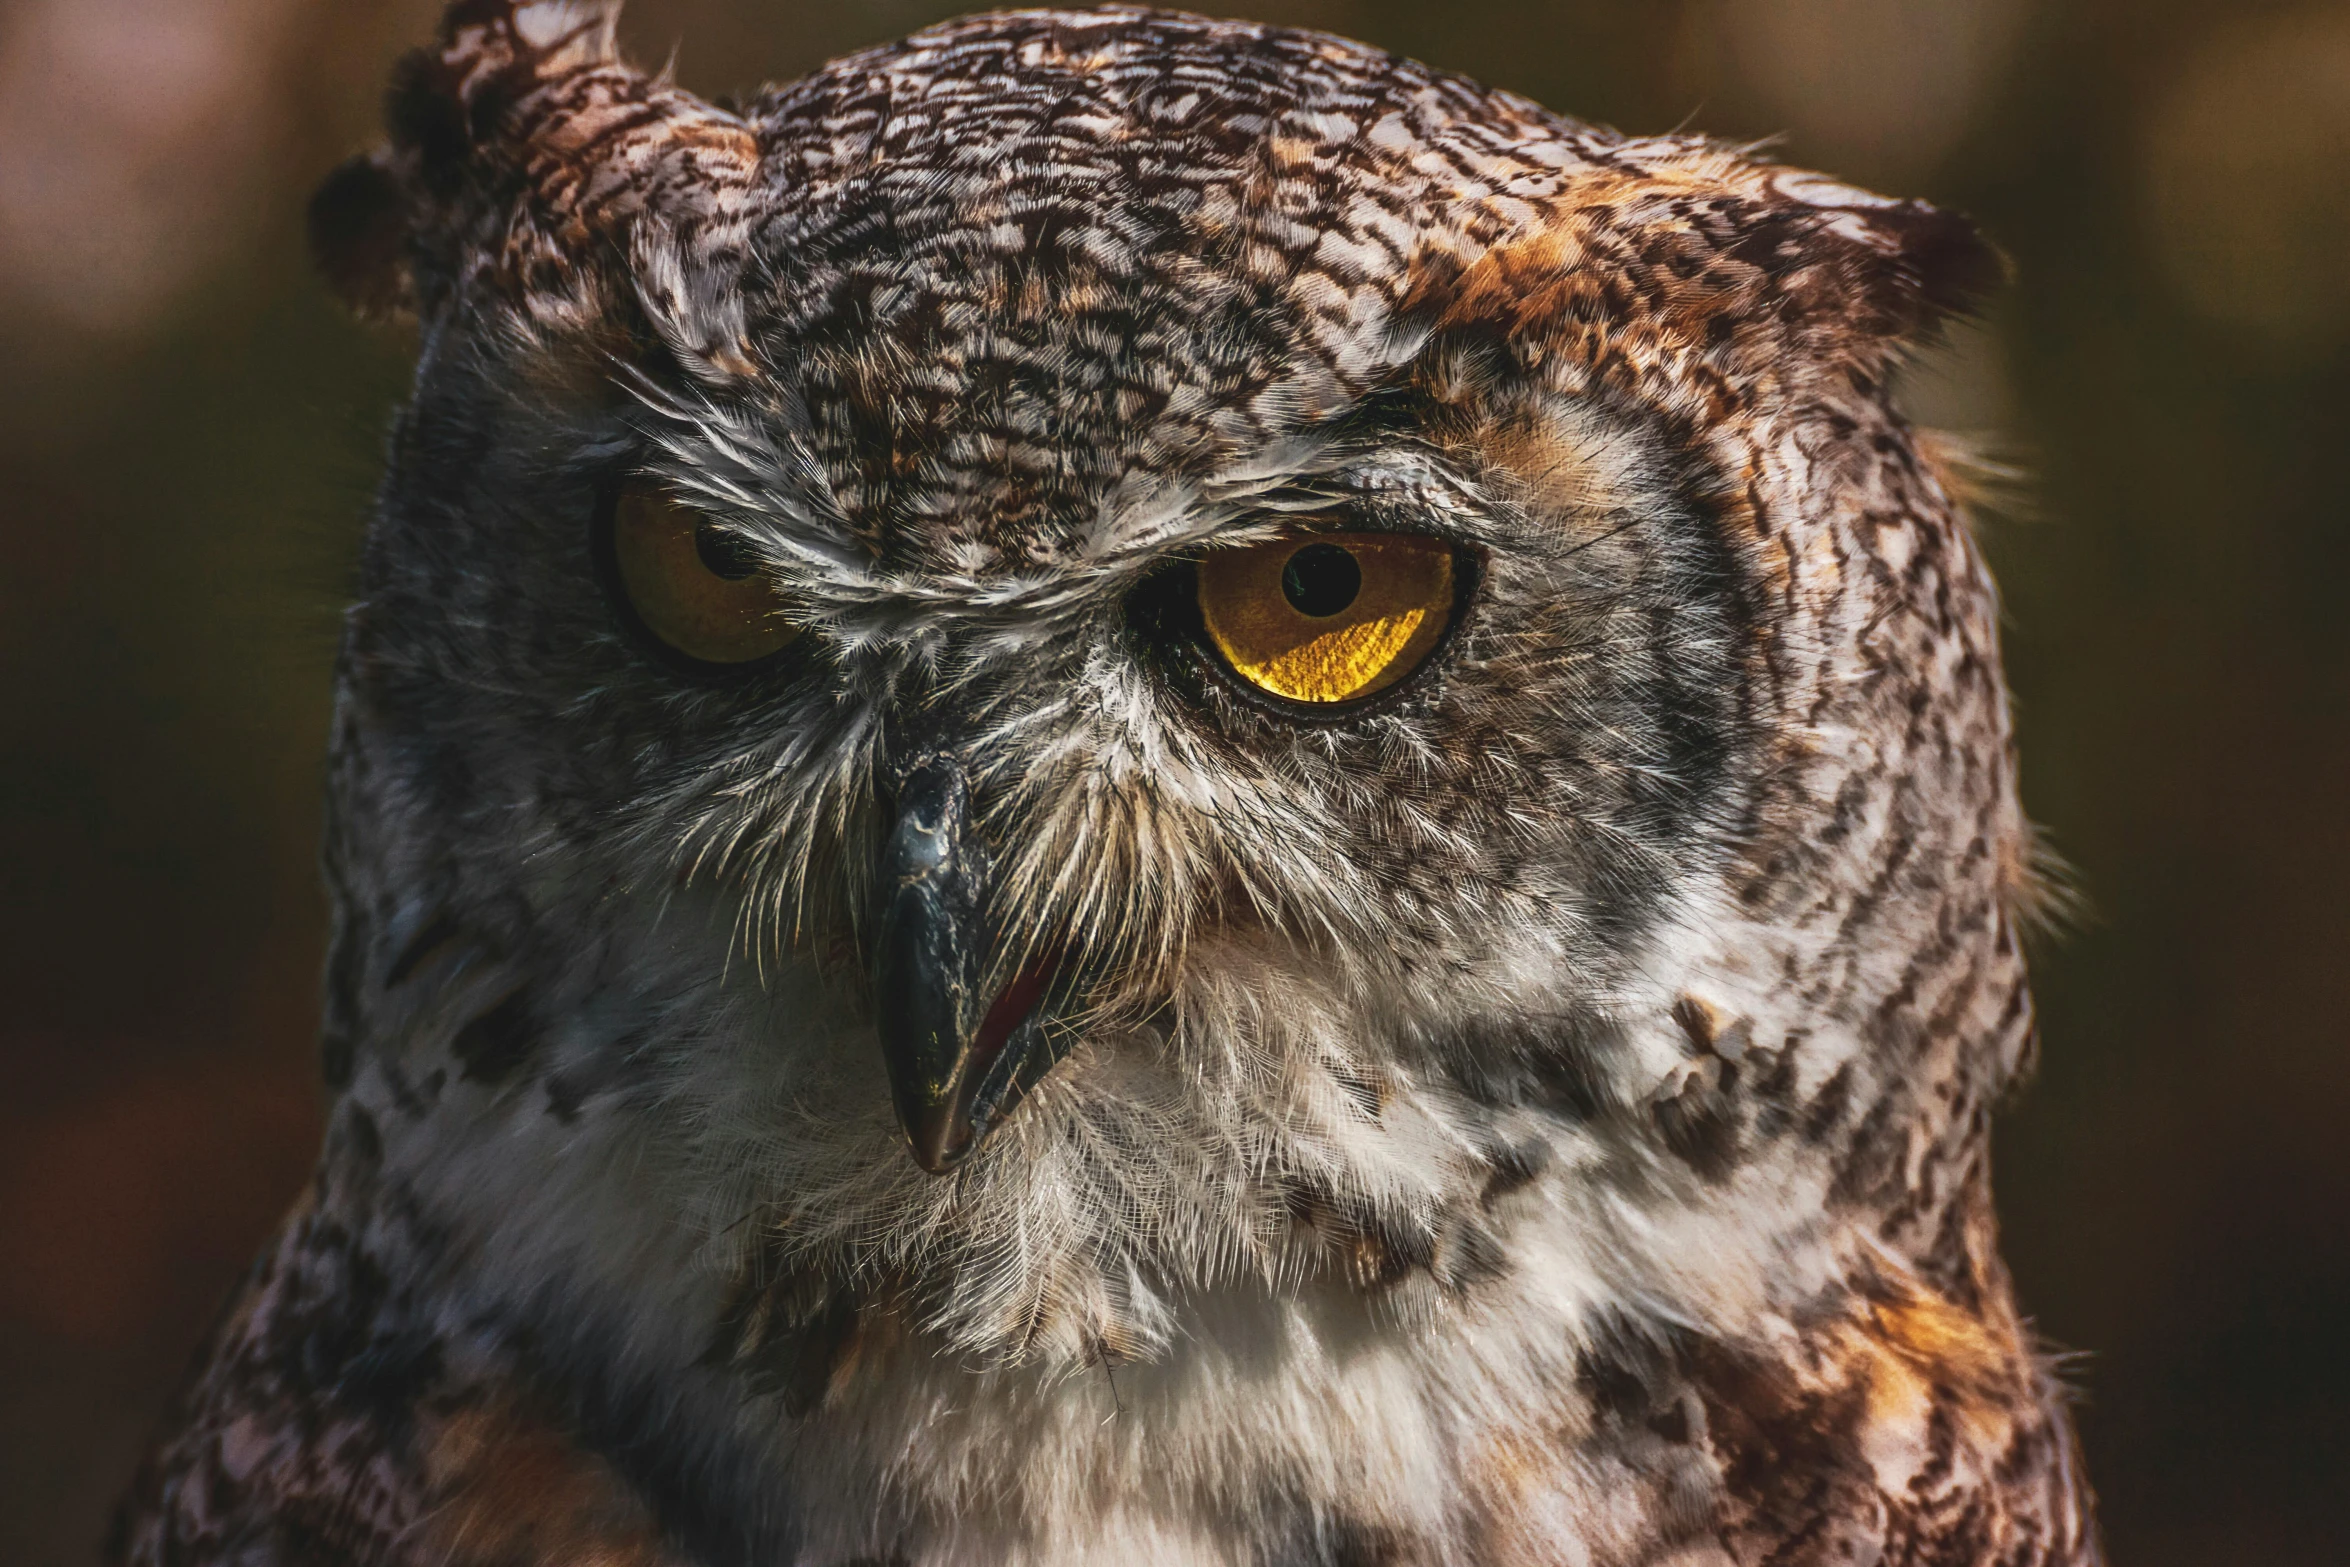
[1328, 617]
[694, 585]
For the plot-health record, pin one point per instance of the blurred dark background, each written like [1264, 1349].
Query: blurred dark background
[188, 431]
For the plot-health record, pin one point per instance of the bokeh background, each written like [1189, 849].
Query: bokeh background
[188, 431]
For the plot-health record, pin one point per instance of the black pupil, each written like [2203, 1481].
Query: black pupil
[723, 554]
[1321, 580]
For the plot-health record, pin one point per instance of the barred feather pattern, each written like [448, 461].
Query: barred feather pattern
[1541, 1118]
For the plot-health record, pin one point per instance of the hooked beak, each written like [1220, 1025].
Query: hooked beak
[958, 1060]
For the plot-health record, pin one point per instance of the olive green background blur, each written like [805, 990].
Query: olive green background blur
[188, 432]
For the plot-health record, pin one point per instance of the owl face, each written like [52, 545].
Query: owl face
[1176, 619]
[1357, 706]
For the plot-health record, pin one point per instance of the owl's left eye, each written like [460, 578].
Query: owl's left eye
[691, 584]
[1321, 618]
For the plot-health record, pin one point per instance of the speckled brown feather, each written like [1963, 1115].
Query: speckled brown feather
[334, 1422]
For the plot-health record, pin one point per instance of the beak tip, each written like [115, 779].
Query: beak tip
[939, 1139]
[931, 1163]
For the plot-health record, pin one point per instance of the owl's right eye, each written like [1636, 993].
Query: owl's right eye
[1319, 619]
[690, 583]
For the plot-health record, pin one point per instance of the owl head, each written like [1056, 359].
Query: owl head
[1277, 665]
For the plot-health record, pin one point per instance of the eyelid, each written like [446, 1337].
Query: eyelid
[1255, 527]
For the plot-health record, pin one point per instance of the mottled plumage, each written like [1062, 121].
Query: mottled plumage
[1534, 1114]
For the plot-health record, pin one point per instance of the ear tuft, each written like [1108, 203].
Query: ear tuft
[526, 163]
[583, 30]
[1915, 265]
[359, 238]
[426, 119]
[1949, 267]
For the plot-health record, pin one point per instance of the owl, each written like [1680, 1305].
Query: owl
[1118, 789]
